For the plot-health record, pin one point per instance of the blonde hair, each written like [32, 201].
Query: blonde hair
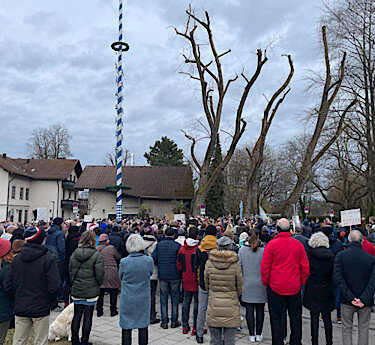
[88, 239]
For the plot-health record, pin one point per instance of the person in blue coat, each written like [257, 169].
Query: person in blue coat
[6, 301]
[55, 243]
[165, 256]
[135, 300]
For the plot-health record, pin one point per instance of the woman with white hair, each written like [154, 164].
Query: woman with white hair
[319, 293]
[135, 300]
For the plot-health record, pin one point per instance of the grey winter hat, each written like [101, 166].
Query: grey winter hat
[224, 243]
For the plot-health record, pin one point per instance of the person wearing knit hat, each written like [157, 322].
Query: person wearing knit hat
[207, 245]
[34, 281]
[103, 238]
[181, 236]
[58, 221]
[224, 243]
[34, 235]
[6, 303]
[111, 258]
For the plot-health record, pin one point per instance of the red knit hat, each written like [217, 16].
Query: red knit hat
[4, 247]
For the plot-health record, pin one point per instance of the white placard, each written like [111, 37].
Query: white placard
[180, 217]
[41, 213]
[351, 217]
[88, 218]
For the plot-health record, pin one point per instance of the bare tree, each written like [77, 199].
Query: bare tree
[214, 87]
[353, 29]
[49, 143]
[344, 183]
[256, 155]
[111, 158]
[314, 152]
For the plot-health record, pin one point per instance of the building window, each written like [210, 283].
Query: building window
[63, 212]
[20, 216]
[27, 196]
[26, 214]
[63, 194]
[13, 192]
[11, 215]
[21, 193]
[70, 195]
[75, 196]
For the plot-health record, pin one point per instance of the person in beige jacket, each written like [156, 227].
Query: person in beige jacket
[223, 279]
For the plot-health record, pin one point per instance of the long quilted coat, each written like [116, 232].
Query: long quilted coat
[223, 280]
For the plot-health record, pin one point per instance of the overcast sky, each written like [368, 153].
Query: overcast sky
[56, 66]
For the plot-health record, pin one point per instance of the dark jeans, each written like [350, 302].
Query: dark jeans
[153, 286]
[315, 327]
[142, 336]
[169, 288]
[258, 308]
[276, 305]
[112, 298]
[67, 290]
[87, 312]
[338, 302]
[188, 296]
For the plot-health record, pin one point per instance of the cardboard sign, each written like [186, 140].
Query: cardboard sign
[351, 217]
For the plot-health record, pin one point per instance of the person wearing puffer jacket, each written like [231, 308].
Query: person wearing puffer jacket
[223, 281]
[86, 269]
[151, 243]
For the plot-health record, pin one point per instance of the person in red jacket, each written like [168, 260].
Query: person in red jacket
[185, 263]
[284, 270]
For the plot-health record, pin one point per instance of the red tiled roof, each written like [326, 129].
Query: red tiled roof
[41, 169]
[146, 181]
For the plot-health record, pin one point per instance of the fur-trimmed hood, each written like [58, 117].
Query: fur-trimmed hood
[222, 259]
[319, 239]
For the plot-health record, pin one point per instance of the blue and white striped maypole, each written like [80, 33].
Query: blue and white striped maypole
[120, 47]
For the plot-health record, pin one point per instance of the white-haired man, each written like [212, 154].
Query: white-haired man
[284, 270]
[355, 277]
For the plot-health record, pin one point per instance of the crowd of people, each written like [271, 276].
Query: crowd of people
[213, 266]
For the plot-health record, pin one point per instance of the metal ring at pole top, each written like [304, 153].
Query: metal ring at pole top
[114, 46]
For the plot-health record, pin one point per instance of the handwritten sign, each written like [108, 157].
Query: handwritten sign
[351, 217]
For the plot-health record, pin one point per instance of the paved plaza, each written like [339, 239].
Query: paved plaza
[106, 330]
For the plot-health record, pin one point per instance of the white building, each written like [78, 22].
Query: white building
[29, 184]
[155, 187]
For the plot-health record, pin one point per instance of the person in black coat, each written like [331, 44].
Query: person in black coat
[34, 281]
[71, 245]
[355, 277]
[319, 292]
[116, 240]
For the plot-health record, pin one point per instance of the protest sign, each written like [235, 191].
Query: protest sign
[351, 217]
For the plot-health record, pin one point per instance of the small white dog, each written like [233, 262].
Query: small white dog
[61, 327]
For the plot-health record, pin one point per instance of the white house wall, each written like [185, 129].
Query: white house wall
[103, 203]
[4, 175]
[41, 195]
